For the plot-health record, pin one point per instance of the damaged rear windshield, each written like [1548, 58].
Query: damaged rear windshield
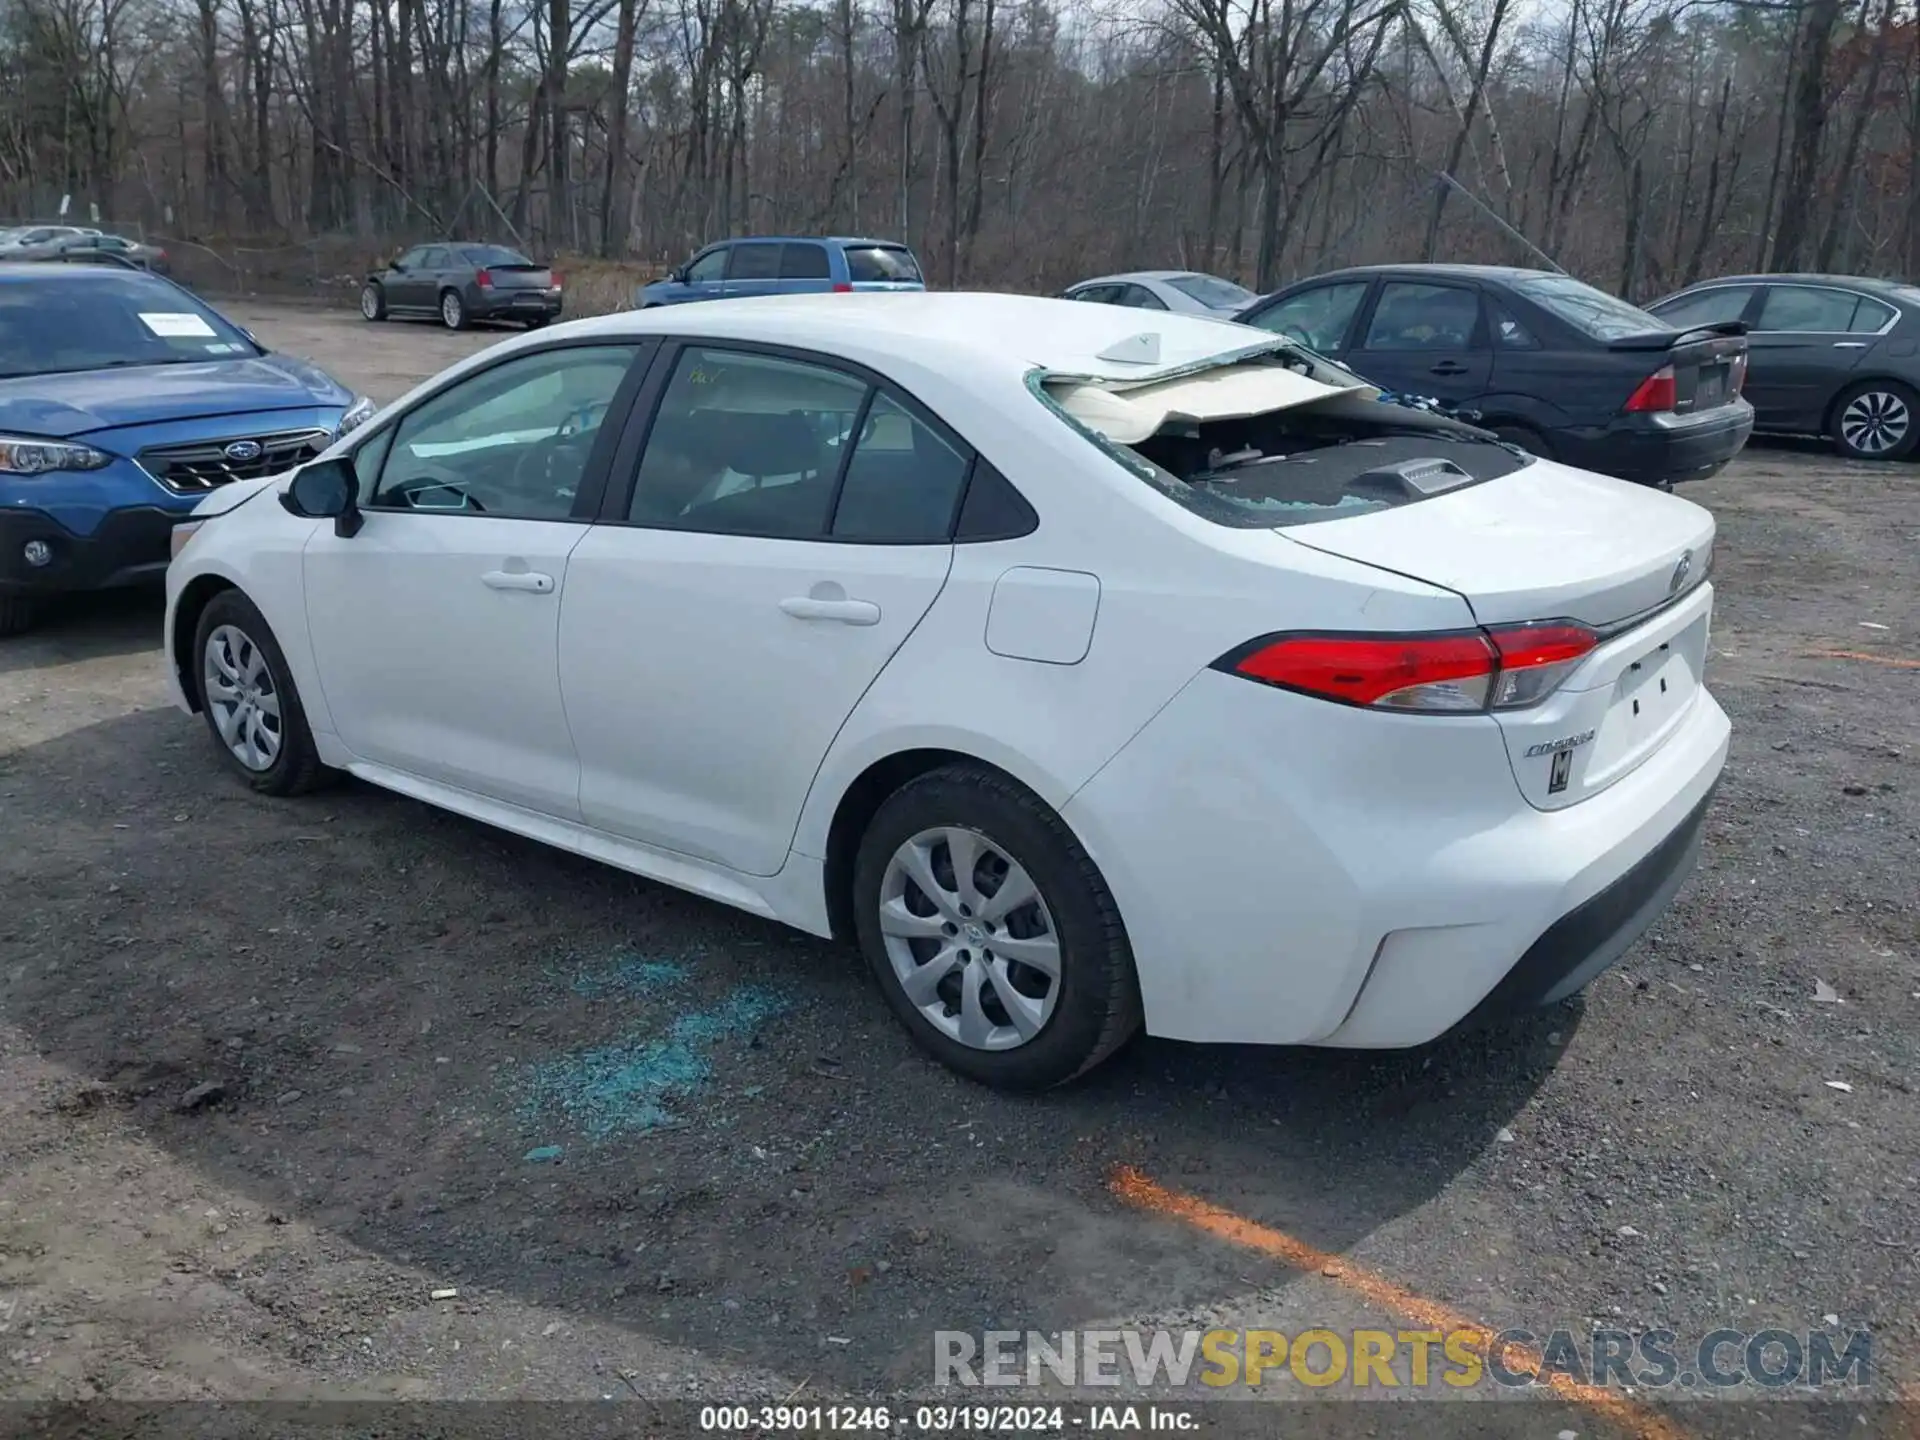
[1270, 443]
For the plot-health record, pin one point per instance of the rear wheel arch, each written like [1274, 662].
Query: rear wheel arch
[193, 602]
[858, 804]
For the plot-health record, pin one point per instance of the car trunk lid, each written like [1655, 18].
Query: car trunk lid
[1688, 371]
[520, 277]
[1550, 543]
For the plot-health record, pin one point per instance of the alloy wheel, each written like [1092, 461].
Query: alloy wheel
[970, 938]
[370, 303]
[243, 697]
[450, 310]
[1875, 422]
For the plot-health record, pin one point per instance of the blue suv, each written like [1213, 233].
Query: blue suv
[780, 265]
[123, 401]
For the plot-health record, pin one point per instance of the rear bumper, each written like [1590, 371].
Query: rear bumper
[1660, 450]
[1290, 876]
[498, 304]
[130, 547]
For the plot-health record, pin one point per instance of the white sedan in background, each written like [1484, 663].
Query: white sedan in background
[1088, 668]
[1187, 292]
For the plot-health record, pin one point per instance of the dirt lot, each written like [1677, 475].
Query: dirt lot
[662, 1149]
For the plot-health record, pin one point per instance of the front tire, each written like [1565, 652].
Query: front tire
[248, 697]
[991, 931]
[1876, 420]
[453, 311]
[373, 302]
[1527, 438]
[17, 614]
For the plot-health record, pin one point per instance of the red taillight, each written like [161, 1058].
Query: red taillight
[842, 288]
[1462, 672]
[483, 279]
[1656, 393]
[557, 279]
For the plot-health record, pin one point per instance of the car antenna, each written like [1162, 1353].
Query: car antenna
[1142, 349]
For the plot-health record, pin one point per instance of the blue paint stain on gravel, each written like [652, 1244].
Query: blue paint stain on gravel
[627, 1087]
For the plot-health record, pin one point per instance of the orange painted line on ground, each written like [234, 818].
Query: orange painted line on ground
[1893, 660]
[1144, 1193]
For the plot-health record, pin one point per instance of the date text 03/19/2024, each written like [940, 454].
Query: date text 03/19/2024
[946, 1419]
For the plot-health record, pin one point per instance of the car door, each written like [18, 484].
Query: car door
[416, 283]
[1320, 317]
[780, 532]
[804, 269]
[1426, 338]
[753, 269]
[705, 276]
[435, 626]
[1806, 342]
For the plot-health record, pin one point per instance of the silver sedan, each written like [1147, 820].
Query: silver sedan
[1186, 291]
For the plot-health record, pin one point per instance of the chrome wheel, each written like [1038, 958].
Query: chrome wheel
[370, 303]
[450, 310]
[1875, 422]
[970, 939]
[242, 697]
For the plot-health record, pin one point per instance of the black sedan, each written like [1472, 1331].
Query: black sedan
[1830, 355]
[1553, 365]
[461, 282]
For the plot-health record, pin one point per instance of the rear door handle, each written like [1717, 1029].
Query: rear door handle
[518, 580]
[1849, 344]
[847, 612]
[1449, 367]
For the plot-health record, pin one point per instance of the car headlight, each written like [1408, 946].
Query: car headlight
[357, 414]
[42, 457]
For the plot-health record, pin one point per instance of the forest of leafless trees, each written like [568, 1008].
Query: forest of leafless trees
[1015, 143]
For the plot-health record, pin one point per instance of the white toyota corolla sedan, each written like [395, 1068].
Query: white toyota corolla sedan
[1089, 668]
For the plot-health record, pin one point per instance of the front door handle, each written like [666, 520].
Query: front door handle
[1449, 367]
[1849, 344]
[847, 612]
[518, 580]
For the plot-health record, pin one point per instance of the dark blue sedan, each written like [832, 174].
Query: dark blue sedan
[123, 401]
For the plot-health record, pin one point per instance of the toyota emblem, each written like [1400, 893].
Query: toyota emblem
[1680, 573]
[243, 451]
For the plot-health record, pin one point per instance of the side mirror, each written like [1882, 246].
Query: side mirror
[326, 489]
[396, 266]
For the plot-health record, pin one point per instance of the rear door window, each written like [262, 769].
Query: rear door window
[1098, 294]
[1419, 316]
[881, 262]
[803, 262]
[1808, 309]
[1318, 318]
[1140, 298]
[903, 480]
[754, 262]
[1717, 306]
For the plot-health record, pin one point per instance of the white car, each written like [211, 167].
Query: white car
[1188, 292]
[1091, 669]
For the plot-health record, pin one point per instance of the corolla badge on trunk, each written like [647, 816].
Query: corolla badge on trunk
[1680, 572]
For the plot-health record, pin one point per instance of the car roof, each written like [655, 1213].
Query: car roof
[1856, 282]
[1144, 275]
[950, 329]
[40, 272]
[1461, 272]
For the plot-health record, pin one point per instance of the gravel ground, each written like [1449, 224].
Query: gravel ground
[661, 1148]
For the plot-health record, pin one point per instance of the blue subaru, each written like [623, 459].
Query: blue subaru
[785, 265]
[123, 401]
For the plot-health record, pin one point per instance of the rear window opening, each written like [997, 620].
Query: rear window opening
[1269, 442]
[871, 263]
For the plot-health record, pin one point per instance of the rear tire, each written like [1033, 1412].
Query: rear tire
[1000, 1020]
[539, 322]
[453, 311]
[373, 302]
[17, 614]
[248, 697]
[1527, 438]
[1876, 420]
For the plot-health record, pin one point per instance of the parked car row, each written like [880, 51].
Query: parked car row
[47, 242]
[1661, 393]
